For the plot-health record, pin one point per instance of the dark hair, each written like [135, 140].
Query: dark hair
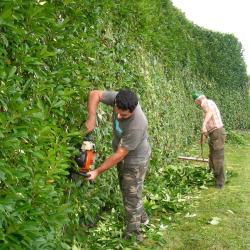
[126, 100]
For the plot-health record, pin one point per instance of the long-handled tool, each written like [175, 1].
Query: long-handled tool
[199, 159]
[192, 159]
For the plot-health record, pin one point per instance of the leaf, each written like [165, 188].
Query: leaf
[214, 221]
[5, 40]
[230, 211]
[188, 215]
[39, 115]
[74, 247]
[38, 155]
[12, 72]
[2, 175]
[44, 53]
[59, 104]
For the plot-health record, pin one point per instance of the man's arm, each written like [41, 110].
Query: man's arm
[94, 98]
[115, 158]
[208, 115]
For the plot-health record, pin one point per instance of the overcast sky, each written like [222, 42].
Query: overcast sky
[227, 16]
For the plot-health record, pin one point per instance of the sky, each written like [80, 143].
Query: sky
[226, 16]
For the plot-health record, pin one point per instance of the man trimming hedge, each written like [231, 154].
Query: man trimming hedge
[131, 151]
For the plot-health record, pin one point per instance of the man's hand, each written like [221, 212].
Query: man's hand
[91, 175]
[203, 138]
[90, 124]
[118, 156]
[204, 130]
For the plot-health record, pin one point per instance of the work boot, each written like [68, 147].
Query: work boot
[218, 186]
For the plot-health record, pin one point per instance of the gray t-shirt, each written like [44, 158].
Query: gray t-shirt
[129, 133]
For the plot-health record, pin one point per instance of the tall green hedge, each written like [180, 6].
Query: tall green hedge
[52, 54]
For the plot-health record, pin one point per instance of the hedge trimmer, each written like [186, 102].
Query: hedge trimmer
[86, 159]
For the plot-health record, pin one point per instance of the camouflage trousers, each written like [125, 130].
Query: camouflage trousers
[131, 178]
[216, 155]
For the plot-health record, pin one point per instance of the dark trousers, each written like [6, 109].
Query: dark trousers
[131, 178]
[216, 155]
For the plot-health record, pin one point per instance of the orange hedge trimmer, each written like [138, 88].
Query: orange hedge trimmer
[86, 159]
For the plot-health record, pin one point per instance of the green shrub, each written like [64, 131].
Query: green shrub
[235, 138]
[52, 54]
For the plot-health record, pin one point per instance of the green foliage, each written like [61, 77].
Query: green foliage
[52, 54]
[174, 183]
[167, 190]
[235, 138]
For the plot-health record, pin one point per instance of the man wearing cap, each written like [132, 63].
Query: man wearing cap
[212, 127]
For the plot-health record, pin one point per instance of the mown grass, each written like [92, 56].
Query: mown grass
[229, 206]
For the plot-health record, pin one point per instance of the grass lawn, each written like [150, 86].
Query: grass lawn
[216, 219]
